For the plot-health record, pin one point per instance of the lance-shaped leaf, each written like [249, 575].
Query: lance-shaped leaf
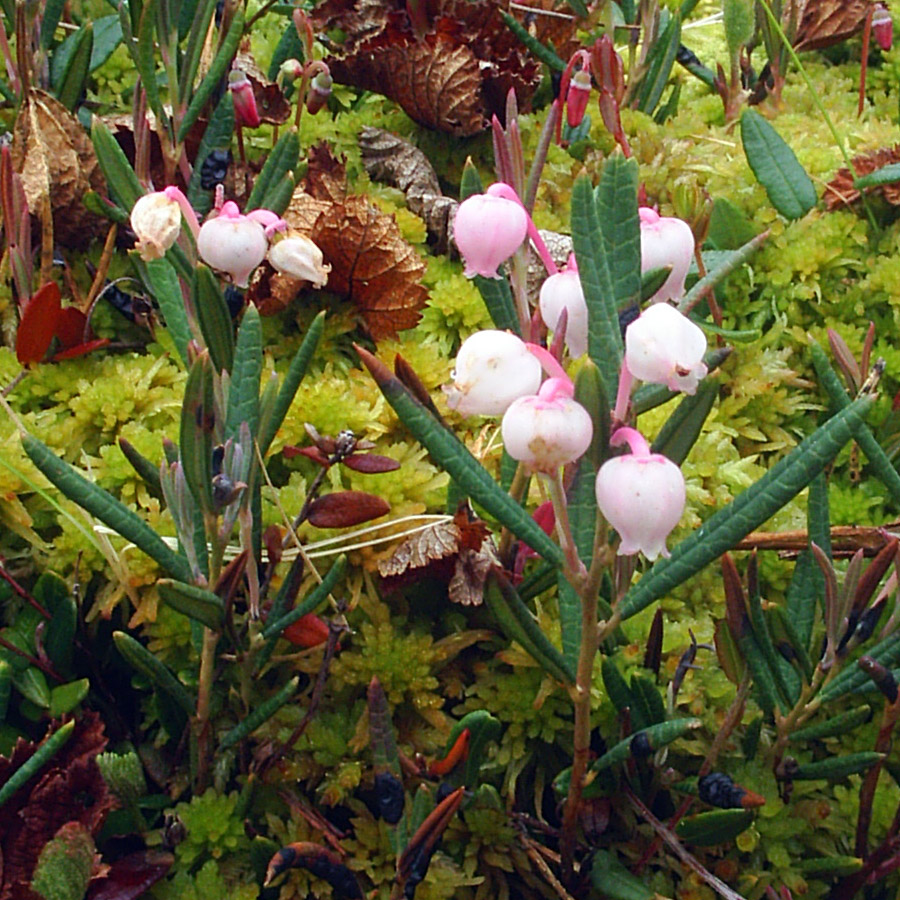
[342, 509]
[660, 61]
[750, 509]
[198, 420]
[683, 427]
[217, 136]
[275, 626]
[789, 187]
[852, 679]
[47, 750]
[73, 73]
[836, 726]
[105, 507]
[604, 336]
[145, 662]
[162, 280]
[260, 714]
[834, 767]
[321, 862]
[381, 729]
[124, 186]
[731, 262]
[214, 318]
[243, 392]
[614, 881]
[451, 454]
[195, 602]
[716, 827]
[482, 729]
[282, 159]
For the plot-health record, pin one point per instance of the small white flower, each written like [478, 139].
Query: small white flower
[299, 257]
[666, 241]
[563, 291]
[233, 243]
[156, 220]
[493, 368]
[663, 346]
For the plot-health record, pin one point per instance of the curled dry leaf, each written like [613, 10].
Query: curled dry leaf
[825, 22]
[841, 191]
[345, 508]
[371, 264]
[56, 160]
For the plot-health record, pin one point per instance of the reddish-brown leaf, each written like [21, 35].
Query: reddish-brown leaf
[841, 191]
[345, 508]
[307, 631]
[131, 876]
[37, 326]
[371, 463]
[826, 22]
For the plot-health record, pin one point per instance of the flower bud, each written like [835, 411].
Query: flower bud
[577, 97]
[245, 111]
[642, 495]
[549, 430]
[666, 241]
[299, 257]
[883, 27]
[563, 292]
[156, 220]
[663, 346]
[487, 231]
[232, 243]
[319, 92]
[493, 368]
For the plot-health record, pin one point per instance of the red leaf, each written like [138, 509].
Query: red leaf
[346, 508]
[307, 631]
[370, 462]
[131, 876]
[81, 349]
[37, 326]
[314, 453]
[72, 327]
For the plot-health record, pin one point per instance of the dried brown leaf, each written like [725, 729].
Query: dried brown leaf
[826, 22]
[841, 191]
[58, 165]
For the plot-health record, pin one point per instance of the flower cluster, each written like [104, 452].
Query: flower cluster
[229, 241]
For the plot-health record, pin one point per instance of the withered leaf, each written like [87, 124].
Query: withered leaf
[345, 508]
[841, 191]
[826, 22]
[69, 789]
[131, 876]
[459, 551]
[58, 166]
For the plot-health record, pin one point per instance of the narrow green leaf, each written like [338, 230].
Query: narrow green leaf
[470, 181]
[451, 454]
[540, 51]
[216, 73]
[683, 427]
[278, 197]
[652, 280]
[651, 738]
[718, 273]
[217, 136]
[750, 509]
[260, 715]
[282, 159]
[604, 337]
[878, 460]
[243, 393]
[50, 16]
[837, 726]
[852, 679]
[618, 691]
[5, 688]
[662, 57]
[289, 46]
[614, 881]
[214, 318]
[648, 699]
[837, 766]
[483, 729]
[885, 175]
[44, 753]
[74, 71]
[715, 827]
[124, 186]
[518, 624]
[163, 282]
[590, 393]
[498, 299]
[59, 639]
[787, 184]
[107, 37]
[198, 418]
[65, 697]
[829, 866]
[105, 507]
[143, 661]
[767, 695]
[192, 601]
[145, 60]
[270, 424]
[617, 211]
[148, 471]
[32, 685]
[317, 595]
[196, 41]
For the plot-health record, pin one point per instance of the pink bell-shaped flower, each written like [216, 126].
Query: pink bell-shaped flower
[549, 430]
[233, 243]
[663, 346]
[883, 27]
[492, 369]
[666, 241]
[577, 97]
[245, 111]
[641, 494]
[487, 231]
[562, 291]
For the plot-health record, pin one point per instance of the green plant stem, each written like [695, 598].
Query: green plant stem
[576, 572]
[204, 693]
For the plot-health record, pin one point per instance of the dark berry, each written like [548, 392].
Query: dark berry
[234, 300]
[214, 168]
[718, 789]
[390, 797]
[641, 746]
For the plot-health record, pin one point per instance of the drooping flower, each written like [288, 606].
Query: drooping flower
[883, 27]
[666, 241]
[492, 369]
[156, 220]
[577, 97]
[245, 111]
[235, 243]
[641, 494]
[487, 231]
[299, 257]
[548, 430]
[563, 291]
[663, 346]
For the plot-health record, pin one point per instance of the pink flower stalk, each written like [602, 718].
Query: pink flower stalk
[493, 368]
[548, 430]
[577, 97]
[235, 243]
[156, 220]
[487, 231]
[641, 494]
[666, 241]
[883, 27]
[562, 291]
[245, 111]
[663, 346]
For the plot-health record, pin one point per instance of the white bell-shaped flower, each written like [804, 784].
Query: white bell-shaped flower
[233, 243]
[299, 257]
[666, 241]
[156, 220]
[559, 292]
[487, 231]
